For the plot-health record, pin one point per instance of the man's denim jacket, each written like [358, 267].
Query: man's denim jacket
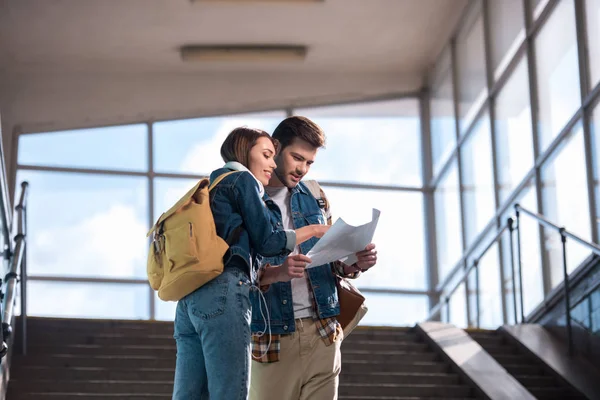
[236, 202]
[278, 296]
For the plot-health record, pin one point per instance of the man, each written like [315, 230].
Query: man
[296, 338]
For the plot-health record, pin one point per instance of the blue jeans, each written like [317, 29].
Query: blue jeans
[212, 331]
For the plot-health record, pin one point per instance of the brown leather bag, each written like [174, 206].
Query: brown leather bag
[352, 305]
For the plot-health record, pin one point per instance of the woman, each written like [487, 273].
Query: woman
[212, 324]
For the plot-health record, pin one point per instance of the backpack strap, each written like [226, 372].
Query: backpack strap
[315, 189]
[157, 227]
[219, 179]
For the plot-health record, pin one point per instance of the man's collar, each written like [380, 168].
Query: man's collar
[296, 189]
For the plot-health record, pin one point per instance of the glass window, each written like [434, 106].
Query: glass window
[565, 200]
[192, 146]
[478, 180]
[537, 7]
[533, 283]
[394, 310]
[87, 300]
[443, 128]
[592, 8]
[399, 237]
[507, 30]
[490, 301]
[458, 307]
[164, 310]
[118, 147]
[557, 72]
[376, 143]
[514, 141]
[447, 220]
[596, 154]
[470, 57]
[86, 225]
[167, 191]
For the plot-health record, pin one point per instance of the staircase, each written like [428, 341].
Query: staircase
[535, 376]
[98, 359]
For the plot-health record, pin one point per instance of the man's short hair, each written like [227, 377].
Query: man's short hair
[240, 141]
[301, 128]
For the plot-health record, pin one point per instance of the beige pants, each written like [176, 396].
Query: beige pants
[306, 370]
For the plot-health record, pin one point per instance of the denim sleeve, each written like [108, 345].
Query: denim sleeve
[264, 238]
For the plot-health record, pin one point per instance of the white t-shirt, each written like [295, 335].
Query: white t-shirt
[300, 296]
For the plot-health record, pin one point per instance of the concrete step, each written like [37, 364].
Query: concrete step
[101, 386]
[399, 378]
[385, 356]
[413, 390]
[105, 339]
[544, 393]
[520, 369]
[95, 349]
[360, 366]
[85, 396]
[384, 345]
[35, 372]
[110, 361]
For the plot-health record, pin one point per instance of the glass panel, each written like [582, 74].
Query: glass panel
[558, 72]
[87, 300]
[470, 57]
[565, 199]
[164, 310]
[490, 301]
[478, 180]
[592, 8]
[394, 310]
[595, 125]
[86, 225]
[401, 251]
[458, 307]
[533, 287]
[393, 129]
[167, 191]
[443, 128]
[507, 30]
[193, 146]
[118, 147]
[447, 220]
[537, 7]
[514, 141]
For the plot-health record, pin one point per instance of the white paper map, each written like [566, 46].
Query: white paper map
[342, 241]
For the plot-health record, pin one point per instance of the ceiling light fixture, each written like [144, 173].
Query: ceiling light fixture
[257, 1]
[243, 53]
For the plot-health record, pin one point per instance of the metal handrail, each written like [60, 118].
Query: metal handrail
[438, 307]
[510, 225]
[543, 221]
[17, 270]
[564, 234]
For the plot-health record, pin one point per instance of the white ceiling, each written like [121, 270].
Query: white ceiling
[69, 63]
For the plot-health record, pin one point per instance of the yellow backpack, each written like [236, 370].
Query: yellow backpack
[186, 251]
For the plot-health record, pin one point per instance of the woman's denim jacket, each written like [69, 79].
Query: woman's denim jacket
[243, 220]
[278, 297]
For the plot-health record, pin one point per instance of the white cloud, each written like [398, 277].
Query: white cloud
[111, 242]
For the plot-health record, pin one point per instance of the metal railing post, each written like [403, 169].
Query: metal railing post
[477, 294]
[563, 238]
[520, 263]
[511, 229]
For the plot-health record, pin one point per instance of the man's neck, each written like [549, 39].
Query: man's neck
[275, 182]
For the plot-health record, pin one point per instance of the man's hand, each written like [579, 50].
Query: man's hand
[366, 258]
[293, 267]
